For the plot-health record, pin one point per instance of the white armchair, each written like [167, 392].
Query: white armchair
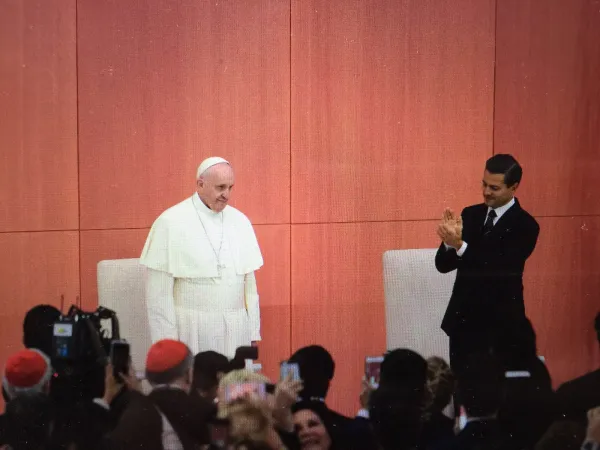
[416, 296]
[121, 287]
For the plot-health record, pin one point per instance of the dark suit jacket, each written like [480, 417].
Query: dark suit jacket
[438, 428]
[576, 397]
[479, 435]
[350, 433]
[488, 291]
[140, 425]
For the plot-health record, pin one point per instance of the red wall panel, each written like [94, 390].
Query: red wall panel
[37, 268]
[391, 107]
[166, 84]
[38, 116]
[548, 101]
[337, 293]
[562, 282]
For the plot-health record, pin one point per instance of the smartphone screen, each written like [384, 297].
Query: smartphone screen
[286, 368]
[235, 391]
[119, 358]
[373, 370]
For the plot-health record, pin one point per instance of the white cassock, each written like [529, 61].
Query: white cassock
[200, 286]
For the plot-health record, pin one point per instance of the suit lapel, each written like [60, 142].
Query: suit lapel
[476, 223]
[507, 221]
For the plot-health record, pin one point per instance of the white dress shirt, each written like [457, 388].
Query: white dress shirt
[500, 211]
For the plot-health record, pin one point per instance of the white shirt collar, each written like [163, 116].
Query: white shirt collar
[202, 208]
[502, 209]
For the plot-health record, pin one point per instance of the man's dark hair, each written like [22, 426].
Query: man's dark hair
[38, 327]
[403, 368]
[481, 385]
[506, 165]
[396, 417]
[316, 370]
[207, 366]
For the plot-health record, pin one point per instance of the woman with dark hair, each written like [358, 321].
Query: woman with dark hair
[313, 425]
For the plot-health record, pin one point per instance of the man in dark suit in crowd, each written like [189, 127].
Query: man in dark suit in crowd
[480, 391]
[168, 417]
[528, 407]
[488, 246]
[576, 397]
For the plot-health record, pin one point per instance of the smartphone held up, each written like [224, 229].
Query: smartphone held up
[373, 370]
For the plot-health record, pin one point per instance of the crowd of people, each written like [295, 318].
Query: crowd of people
[493, 401]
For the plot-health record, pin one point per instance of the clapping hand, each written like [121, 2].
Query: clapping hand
[450, 229]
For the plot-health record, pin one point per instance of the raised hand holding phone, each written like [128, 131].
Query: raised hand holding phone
[289, 369]
[372, 370]
[120, 357]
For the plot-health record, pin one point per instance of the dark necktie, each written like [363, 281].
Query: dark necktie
[489, 223]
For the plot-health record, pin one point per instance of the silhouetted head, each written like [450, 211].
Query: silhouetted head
[403, 368]
[209, 367]
[316, 370]
[38, 327]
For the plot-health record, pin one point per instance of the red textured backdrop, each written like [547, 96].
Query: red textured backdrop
[351, 125]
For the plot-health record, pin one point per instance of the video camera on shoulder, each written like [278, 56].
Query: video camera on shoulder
[80, 348]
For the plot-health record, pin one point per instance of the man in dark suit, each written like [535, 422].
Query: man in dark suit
[488, 246]
[480, 390]
[168, 416]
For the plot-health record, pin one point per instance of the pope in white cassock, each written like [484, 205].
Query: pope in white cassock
[201, 255]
